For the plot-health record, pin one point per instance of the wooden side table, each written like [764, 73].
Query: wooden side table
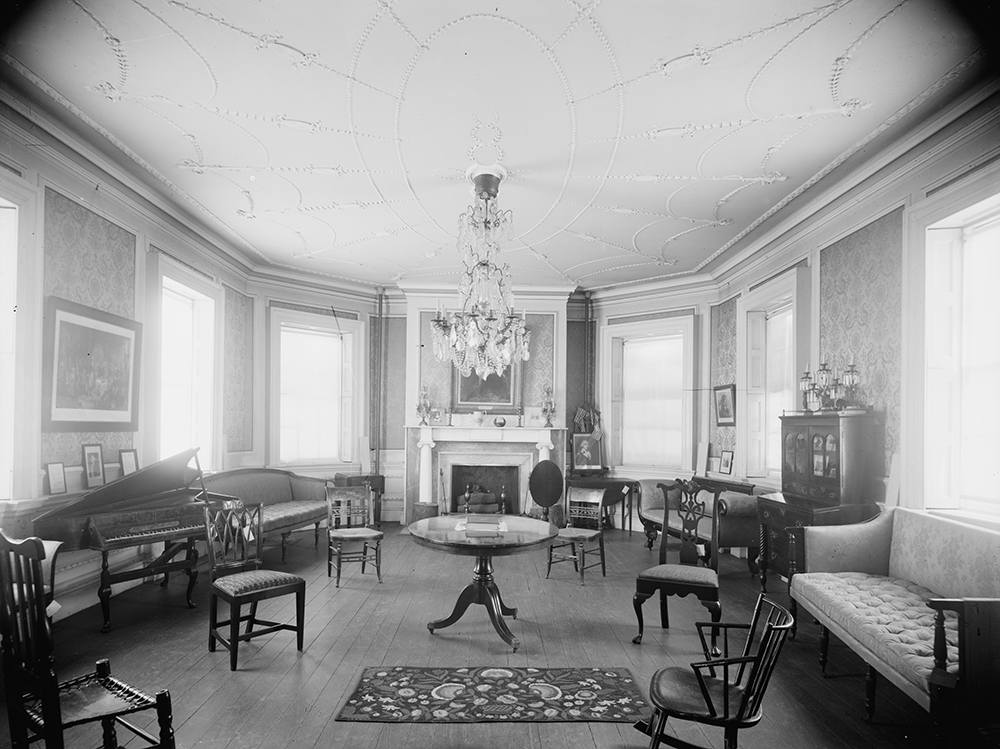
[626, 497]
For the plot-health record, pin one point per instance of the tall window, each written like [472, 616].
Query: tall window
[771, 342]
[187, 372]
[647, 381]
[962, 363]
[8, 269]
[652, 398]
[313, 358]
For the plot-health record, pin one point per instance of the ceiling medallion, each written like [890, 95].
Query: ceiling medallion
[484, 336]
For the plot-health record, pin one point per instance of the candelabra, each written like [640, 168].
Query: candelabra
[827, 392]
[424, 406]
[548, 405]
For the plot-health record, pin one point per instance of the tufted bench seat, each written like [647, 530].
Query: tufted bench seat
[899, 590]
[290, 501]
[734, 520]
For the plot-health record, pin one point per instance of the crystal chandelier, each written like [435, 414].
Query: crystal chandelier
[485, 336]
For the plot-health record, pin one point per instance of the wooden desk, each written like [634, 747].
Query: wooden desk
[519, 534]
[613, 498]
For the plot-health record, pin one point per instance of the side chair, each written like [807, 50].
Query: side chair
[39, 707]
[725, 689]
[583, 508]
[697, 572]
[235, 545]
[349, 521]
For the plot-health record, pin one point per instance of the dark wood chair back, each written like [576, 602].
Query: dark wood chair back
[691, 511]
[235, 536]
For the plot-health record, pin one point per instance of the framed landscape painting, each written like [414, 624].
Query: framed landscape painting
[498, 394]
[90, 375]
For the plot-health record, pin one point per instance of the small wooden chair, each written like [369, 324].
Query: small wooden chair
[583, 508]
[687, 577]
[235, 545]
[349, 521]
[724, 689]
[39, 707]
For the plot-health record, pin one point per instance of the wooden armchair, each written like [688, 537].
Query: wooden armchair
[39, 707]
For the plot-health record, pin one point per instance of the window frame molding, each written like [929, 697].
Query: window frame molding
[278, 316]
[794, 286]
[919, 218]
[683, 323]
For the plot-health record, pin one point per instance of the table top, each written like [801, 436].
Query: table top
[518, 534]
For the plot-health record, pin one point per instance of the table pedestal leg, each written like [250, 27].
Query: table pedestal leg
[484, 591]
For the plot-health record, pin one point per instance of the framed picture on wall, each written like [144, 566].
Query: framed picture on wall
[90, 375]
[725, 405]
[586, 453]
[93, 466]
[498, 394]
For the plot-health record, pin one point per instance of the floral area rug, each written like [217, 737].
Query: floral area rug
[402, 694]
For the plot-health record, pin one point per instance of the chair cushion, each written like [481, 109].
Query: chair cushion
[255, 581]
[676, 690]
[284, 514]
[578, 534]
[688, 574]
[357, 534]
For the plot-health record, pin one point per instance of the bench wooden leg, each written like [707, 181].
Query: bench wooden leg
[824, 648]
[871, 680]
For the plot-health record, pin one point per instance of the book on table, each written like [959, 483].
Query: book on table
[482, 526]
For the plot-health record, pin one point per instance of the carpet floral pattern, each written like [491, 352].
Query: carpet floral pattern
[402, 694]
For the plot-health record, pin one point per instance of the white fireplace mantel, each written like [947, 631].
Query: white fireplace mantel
[439, 447]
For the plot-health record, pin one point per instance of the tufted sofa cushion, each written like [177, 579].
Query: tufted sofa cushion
[888, 616]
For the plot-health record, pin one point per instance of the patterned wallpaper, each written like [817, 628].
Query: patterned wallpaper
[394, 385]
[88, 260]
[860, 315]
[237, 396]
[576, 367]
[723, 371]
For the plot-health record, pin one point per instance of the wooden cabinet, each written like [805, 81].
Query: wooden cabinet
[827, 476]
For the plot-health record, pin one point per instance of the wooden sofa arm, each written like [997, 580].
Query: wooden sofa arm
[978, 650]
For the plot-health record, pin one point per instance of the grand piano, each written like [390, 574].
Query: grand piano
[158, 503]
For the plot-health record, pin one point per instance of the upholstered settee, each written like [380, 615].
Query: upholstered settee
[290, 501]
[733, 518]
[916, 596]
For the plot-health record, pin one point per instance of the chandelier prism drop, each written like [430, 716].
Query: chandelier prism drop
[485, 336]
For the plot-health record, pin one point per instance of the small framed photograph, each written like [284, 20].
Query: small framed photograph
[129, 461]
[726, 465]
[725, 405]
[93, 466]
[56, 474]
[586, 452]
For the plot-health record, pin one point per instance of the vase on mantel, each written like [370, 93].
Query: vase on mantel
[477, 418]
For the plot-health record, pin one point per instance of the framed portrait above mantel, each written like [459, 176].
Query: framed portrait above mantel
[498, 394]
[90, 376]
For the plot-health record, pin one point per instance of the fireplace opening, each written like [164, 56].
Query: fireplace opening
[486, 486]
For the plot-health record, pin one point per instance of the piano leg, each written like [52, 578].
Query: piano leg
[192, 570]
[104, 593]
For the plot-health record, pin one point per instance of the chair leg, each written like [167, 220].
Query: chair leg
[109, 736]
[378, 560]
[604, 569]
[317, 534]
[658, 723]
[730, 737]
[300, 617]
[339, 561]
[664, 614]
[234, 633]
[165, 718]
[213, 620]
[576, 557]
[582, 558]
[637, 600]
[548, 568]
[253, 617]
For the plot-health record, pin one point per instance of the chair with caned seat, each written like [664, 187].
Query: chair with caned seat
[39, 707]
[725, 689]
[697, 572]
[349, 521]
[583, 534]
[235, 545]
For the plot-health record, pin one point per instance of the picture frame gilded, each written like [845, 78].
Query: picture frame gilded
[129, 461]
[90, 375]
[93, 465]
[725, 405]
[56, 474]
[497, 394]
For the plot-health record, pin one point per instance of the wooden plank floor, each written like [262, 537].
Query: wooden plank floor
[282, 698]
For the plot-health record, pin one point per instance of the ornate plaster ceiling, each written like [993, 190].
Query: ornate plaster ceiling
[643, 139]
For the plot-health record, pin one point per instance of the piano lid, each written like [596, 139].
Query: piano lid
[135, 490]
